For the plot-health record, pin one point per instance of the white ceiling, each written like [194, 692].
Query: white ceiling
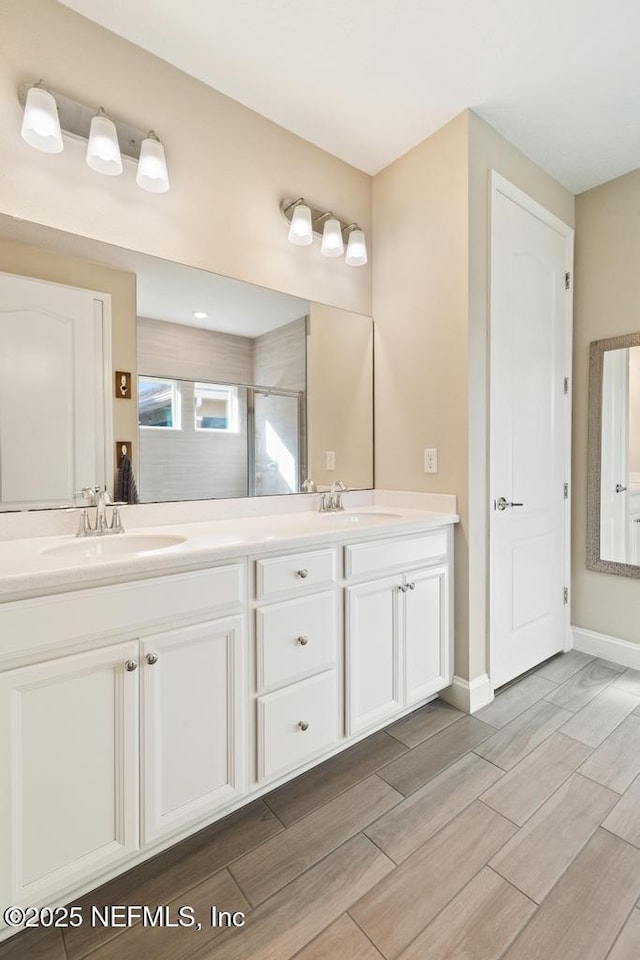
[368, 79]
[171, 291]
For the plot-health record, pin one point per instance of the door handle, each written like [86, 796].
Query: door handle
[502, 504]
[620, 488]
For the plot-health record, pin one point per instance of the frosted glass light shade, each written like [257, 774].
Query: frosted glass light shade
[103, 151]
[356, 249]
[301, 229]
[152, 172]
[332, 245]
[40, 123]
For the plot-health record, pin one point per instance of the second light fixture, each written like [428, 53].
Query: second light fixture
[306, 220]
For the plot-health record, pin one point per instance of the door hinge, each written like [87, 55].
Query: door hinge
[567, 281]
[566, 594]
[566, 386]
[566, 491]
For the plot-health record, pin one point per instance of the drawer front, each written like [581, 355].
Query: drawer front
[294, 573]
[27, 626]
[296, 723]
[296, 638]
[363, 559]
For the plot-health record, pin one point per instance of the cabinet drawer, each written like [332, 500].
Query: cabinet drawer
[295, 572]
[362, 559]
[295, 638]
[29, 625]
[282, 742]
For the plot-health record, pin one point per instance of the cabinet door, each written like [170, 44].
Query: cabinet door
[372, 652]
[69, 749]
[427, 633]
[193, 749]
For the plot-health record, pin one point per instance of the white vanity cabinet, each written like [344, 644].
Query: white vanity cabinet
[111, 750]
[297, 655]
[398, 627]
[69, 748]
[134, 713]
[192, 713]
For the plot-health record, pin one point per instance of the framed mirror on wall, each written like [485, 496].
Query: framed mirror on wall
[233, 390]
[613, 494]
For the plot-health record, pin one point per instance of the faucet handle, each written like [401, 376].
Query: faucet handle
[116, 522]
[84, 526]
[339, 486]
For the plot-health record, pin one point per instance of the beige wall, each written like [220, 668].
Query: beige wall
[420, 306]
[340, 378]
[229, 167]
[28, 261]
[607, 301]
[430, 301]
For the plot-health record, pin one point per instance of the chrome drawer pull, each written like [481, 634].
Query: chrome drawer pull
[303, 574]
[152, 658]
[303, 641]
[411, 585]
[402, 587]
[303, 725]
[131, 665]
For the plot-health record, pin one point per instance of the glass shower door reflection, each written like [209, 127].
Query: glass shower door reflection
[276, 442]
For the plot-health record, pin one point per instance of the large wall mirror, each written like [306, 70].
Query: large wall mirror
[613, 496]
[234, 390]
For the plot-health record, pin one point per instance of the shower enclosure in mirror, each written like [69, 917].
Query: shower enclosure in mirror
[237, 390]
[613, 502]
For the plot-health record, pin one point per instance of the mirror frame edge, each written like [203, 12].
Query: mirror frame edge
[597, 349]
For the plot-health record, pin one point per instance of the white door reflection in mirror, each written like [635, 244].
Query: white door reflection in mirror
[52, 393]
[620, 457]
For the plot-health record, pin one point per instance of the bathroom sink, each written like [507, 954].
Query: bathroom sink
[106, 548]
[353, 517]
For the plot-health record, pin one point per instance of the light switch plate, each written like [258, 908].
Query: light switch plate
[431, 460]
[330, 459]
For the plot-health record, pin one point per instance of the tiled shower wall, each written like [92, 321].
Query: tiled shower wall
[186, 465]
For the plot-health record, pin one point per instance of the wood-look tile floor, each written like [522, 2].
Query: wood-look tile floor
[512, 834]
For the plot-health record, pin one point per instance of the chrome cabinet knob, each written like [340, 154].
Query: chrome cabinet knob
[152, 658]
[303, 725]
[131, 665]
[303, 641]
[303, 574]
[411, 585]
[402, 587]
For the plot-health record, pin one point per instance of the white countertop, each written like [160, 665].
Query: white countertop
[29, 568]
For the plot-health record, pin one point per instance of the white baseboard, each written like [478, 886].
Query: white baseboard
[623, 652]
[469, 695]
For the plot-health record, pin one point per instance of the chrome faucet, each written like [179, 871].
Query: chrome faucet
[99, 498]
[331, 500]
[309, 486]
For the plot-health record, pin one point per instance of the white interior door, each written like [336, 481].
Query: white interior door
[53, 422]
[531, 255]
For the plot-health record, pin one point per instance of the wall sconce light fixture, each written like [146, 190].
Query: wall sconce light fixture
[306, 221]
[47, 114]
